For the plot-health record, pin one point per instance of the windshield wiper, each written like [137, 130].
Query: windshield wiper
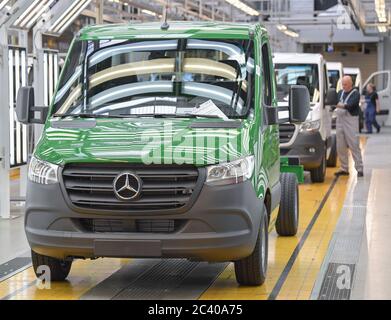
[123, 116]
[90, 116]
[167, 116]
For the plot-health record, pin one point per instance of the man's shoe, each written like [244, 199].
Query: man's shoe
[341, 173]
[378, 130]
[360, 174]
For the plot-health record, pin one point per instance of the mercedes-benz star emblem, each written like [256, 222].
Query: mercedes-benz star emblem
[127, 186]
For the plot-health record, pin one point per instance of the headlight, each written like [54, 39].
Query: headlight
[231, 173]
[42, 172]
[310, 126]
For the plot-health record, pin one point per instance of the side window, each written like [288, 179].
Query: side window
[266, 76]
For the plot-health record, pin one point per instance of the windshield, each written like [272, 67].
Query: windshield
[297, 74]
[354, 78]
[334, 77]
[177, 77]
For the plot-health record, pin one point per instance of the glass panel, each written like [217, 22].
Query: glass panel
[159, 77]
[297, 74]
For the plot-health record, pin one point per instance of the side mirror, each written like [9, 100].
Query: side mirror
[24, 103]
[299, 104]
[25, 107]
[331, 97]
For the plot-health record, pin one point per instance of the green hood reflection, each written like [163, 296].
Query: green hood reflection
[149, 141]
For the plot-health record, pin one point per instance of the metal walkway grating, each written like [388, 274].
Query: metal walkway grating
[337, 283]
[174, 279]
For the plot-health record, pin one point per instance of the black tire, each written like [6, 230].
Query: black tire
[59, 269]
[288, 216]
[318, 174]
[332, 160]
[251, 271]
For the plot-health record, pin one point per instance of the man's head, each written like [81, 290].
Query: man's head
[347, 83]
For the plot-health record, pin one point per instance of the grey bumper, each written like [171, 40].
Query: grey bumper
[222, 225]
[301, 149]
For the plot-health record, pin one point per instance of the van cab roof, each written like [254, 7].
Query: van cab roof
[334, 65]
[352, 70]
[285, 57]
[176, 29]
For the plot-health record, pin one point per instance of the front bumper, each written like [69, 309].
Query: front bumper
[301, 148]
[222, 225]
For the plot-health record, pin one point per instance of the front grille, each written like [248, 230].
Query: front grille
[164, 187]
[129, 226]
[287, 131]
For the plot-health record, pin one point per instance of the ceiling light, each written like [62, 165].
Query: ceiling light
[382, 29]
[289, 32]
[69, 15]
[282, 27]
[380, 8]
[244, 7]
[3, 4]
[32, 13]
[151, 13]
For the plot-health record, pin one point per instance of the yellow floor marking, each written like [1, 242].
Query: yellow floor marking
[84, 276]
[280, 249]
[15, 174]
[301, 278]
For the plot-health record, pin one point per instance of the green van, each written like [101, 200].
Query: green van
[162, 141]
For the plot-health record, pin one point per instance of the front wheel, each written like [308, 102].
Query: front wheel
[251, 271]
[288, 216]
[319, 174]
[59, 269]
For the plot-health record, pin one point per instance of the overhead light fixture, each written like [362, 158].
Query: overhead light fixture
[244, 7]
[282, 27]
[31, 15]
[382, 29]
[3, 4]
[151, 13]
[380, 8]
[289, 32]
[68, 16]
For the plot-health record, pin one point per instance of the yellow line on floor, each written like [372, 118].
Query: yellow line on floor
[304, 272]
[280, 249]
[302, 276]
[84, 276]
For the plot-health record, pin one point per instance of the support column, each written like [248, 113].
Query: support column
[4, 128]
[99, 11]
[38, 78]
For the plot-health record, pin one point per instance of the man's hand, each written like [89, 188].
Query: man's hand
[341, 105]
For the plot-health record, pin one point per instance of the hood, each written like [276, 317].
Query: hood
[149, 141]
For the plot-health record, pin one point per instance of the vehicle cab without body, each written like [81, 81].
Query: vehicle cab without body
[162, 143]
[311, 141]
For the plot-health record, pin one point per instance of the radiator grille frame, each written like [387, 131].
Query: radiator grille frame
[122, 209]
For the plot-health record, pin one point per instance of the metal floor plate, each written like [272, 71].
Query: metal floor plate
[337, 283]
[13, 266]
[174, 279]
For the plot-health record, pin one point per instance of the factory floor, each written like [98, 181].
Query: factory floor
[340, 252]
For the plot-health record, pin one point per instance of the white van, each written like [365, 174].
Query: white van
[312, 141]
[382, 81]
[335, 73]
